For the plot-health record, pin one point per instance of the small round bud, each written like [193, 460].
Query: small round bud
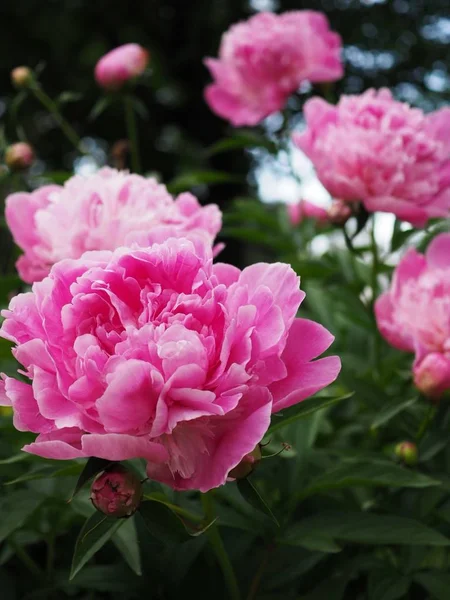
[339, 213]
[407, 452]
[21, 77]
[19, 156]
[432, 375]
[116, 492]
[247, 465]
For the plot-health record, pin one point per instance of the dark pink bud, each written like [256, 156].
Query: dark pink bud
[247, 464]
[120, 65]
[116, 492]
[19, 156]
[339, 212]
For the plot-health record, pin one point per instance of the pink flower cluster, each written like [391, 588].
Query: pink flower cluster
[100, 212]
[413, 315]
[389, 156]
[155, 352]
[120, 65]
[265, 59]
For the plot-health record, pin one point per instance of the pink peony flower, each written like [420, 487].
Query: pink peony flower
[265, 59]
[306, 210]
[413, 315]
[157, 353]
[120, 65]
[373, 149]
[100, 212]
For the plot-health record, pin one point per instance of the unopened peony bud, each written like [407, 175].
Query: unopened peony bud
[120, 65]
[19, 156]
[306, 210]
[247, 465]
[116, 492]
[339, 213]
[432, 375]
[21, 77]
[407, 452]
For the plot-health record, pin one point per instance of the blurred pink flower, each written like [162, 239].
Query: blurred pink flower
[306, 210]
[413, 315]
[265, 59]
[157, 353]
[100, 212]
[373, 149]
[120, 65]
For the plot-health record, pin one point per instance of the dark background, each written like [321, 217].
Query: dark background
[400, 44]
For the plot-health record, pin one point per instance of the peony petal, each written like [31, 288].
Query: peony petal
[115, 446]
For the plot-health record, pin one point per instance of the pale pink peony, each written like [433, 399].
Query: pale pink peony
[265, 59]
[100, 212]
[373, 149]
[413, 315]
[120, 65]
[306, 210]
[157, 353]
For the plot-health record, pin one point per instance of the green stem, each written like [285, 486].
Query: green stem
[426, 422]
[50, 555]
[26, 559]
[130, 119]
[256, 581]
[64, 125]
[375, 291]
[219, 549]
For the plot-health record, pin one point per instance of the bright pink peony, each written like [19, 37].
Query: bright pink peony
[100, 212]
[306, 210]
[265, 59]
[157, 353]
[120, 65]
[413, 315]
[373, 149]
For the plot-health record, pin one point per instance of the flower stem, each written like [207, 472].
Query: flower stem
[219, 549]
[130, 119]
[375, 290]
[426, 422]
[64, 125]
[33, 567]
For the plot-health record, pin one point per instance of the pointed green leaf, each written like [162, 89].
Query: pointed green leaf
[15, 509]
[364, 528]
[304, 409]
[96, 531]
[254, 498]
[126, 540]
[392, 410]
[437, 584]
[357, 473]
[162, 522]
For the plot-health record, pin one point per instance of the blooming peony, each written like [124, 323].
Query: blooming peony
[265, 59]
[99, 212]
[306, 210]
[373, 149]
[157, 353]
[120, 65]
[413, 315]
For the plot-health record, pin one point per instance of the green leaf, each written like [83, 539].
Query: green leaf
[162, 522]
[66, 97]
[99, 107]
[393, 409]
[127, 543]
[254, 498]
[357, 473]
[186, 181]
[92, 467]
[304, 409]
[241, 139]
[15, 458]
[46, 472]
[363, 528]
[388, 585]
[437, 584]
[16, 507]
[96, 531]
